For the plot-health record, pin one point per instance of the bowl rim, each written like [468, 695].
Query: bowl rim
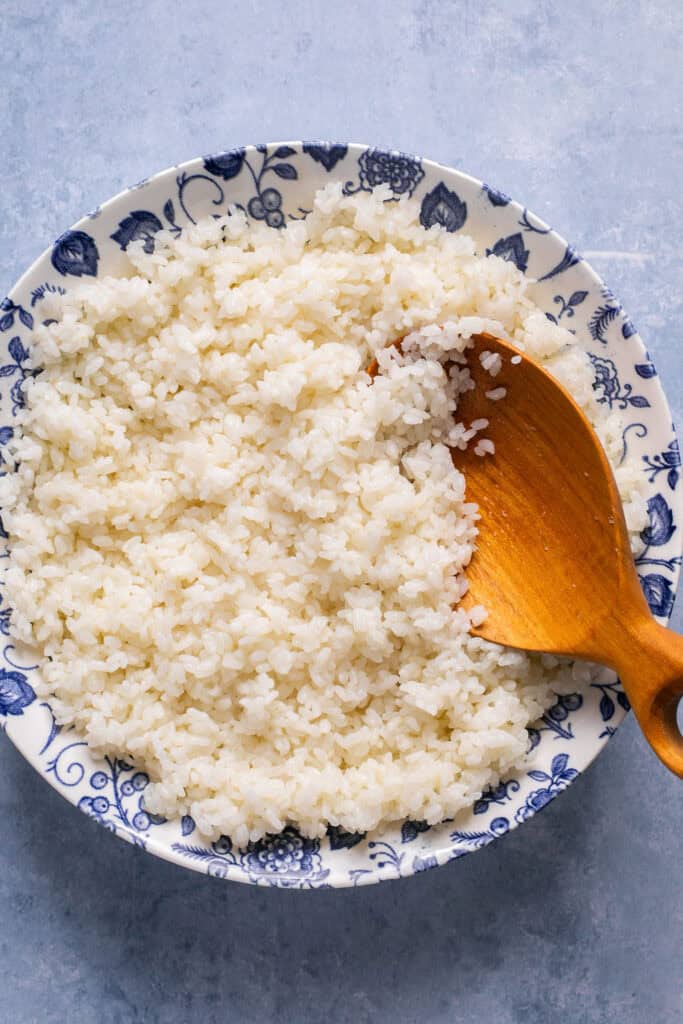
[335, 879]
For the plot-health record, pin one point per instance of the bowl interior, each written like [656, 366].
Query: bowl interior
[276, 183]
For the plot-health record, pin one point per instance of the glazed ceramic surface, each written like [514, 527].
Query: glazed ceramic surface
[276, 183]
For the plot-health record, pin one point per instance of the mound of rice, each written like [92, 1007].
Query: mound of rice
[238, 557]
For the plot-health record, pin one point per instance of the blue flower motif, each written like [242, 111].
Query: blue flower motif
[287, 855]
[495, 197]
[402, 173]
[441, 206]
[139, 224]
[606, 379]
[15, 693]
[75, 253]
[559, 778]
[225, 165]
[325, 153]
[511, 249]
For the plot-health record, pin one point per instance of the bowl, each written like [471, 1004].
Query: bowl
[276, 183]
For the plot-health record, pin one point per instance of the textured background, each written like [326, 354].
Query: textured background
[576, 917]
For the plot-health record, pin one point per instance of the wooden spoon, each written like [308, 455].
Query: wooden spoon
[553, 564]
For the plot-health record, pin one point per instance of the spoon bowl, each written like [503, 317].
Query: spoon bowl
[553, 564]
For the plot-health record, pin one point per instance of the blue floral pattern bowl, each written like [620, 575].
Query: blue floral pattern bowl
[276, 183]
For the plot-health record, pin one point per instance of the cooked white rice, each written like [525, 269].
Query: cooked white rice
[238, 558]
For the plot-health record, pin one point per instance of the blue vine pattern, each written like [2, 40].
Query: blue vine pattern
[17, 368]
[8, 311]
[527, 224]
[474, 840]
[668, 462]
[556, 719]
[639, 429]
[611, 695]
[499, 794]
[568, 306]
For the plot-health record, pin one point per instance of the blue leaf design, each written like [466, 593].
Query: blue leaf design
[411, 829]
[645, 370]
[285, 171]
[627, 329]
[75, 253]
[559, 763]
[17, 350]
[576, 298]
[282, 152]
[600, 321]
[672, 478]
[623, 700]
[495, 197]
[570, 259]
[341, 840]
[606, 707]
[511, 249]
[639, 401]
[538, 776]
[661, 528]
[187, 825]
[139, 224]
[6, 434]
[7, 371]
[6, 321]
[15, 693]
[325, 154]
[658, 594]
[441, 206]
[26, 318]
[225, 165]
[553, 319]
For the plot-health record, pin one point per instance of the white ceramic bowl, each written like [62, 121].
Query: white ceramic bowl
[276, 183]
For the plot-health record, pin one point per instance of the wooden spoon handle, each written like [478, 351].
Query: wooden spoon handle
[650, 665]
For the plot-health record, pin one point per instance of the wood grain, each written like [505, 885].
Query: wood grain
[553, 564]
